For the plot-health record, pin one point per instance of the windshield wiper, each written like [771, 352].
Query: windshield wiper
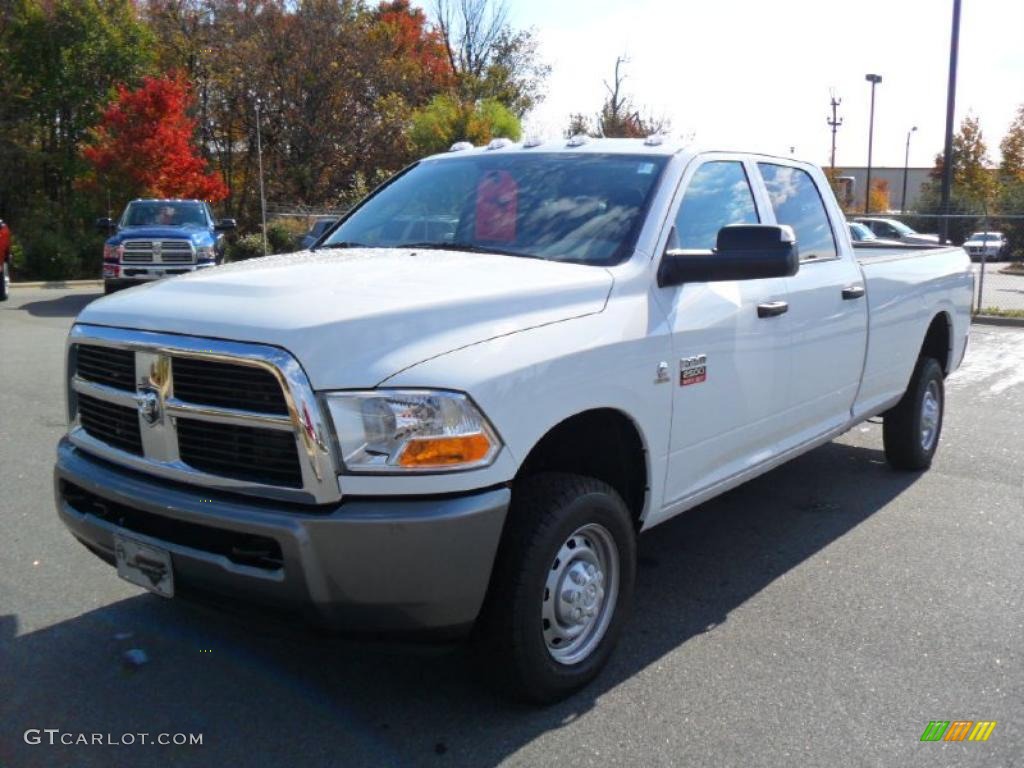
[464, 247]
[344, 244]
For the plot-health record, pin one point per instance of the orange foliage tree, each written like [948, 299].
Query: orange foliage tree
[145, 145]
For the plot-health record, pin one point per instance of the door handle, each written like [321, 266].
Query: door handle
[853, 291]
[772, 308]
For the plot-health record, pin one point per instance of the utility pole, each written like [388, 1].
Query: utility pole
[947, 154]
[834, 123]
[874, 80]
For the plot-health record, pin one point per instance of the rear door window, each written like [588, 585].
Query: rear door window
[797, 202]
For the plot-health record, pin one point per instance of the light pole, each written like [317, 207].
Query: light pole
[947, 152]
[874, 80]
[906, 166]
[259, 156]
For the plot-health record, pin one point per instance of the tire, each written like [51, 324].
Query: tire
[108, 288]
[911, 430]
[5, 280]
[565, 535]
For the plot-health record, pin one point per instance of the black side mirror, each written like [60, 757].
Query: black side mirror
[225, 225]
[743, 252]
[105, 226]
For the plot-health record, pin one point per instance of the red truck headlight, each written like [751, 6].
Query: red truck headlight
[112, 253]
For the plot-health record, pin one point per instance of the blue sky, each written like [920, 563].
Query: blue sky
[747, 74]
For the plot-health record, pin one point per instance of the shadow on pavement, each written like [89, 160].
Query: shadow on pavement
[265, 693]
[68, 305]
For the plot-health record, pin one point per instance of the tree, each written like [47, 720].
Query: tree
[488, 59]
[1012, 147]
[618, 117]
[62, 59]
[879, 200]
[447, 120]
[972, 179]
[145, 144]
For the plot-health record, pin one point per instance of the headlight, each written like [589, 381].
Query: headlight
[410, 430]
[205, 252]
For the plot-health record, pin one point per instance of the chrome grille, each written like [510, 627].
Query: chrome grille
[157, 252]
[227, 415]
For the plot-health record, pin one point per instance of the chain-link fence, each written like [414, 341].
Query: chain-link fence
[998, 262]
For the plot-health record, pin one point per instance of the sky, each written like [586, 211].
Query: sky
[751, 75]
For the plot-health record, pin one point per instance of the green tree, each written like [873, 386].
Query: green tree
[64, 58]
[972, 179]
[489, 59]
[447, 120]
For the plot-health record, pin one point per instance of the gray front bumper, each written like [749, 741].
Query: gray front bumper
[367, 565]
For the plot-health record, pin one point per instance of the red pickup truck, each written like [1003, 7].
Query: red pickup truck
[5, 260]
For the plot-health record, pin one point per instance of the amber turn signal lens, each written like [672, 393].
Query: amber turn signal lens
[445, 451]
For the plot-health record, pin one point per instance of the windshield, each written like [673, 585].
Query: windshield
[163, 213]
[902, 228]
[582, 207]
[985, 236]
[860, 232]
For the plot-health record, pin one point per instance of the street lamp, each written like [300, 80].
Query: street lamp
[906, 165]
[259, 156]
[874, 80]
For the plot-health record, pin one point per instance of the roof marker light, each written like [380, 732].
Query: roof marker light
[532, 141]
[578, 140]
[654, 140]
[499, 143]
[458, 146]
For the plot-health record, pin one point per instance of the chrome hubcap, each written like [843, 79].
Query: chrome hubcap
[6, 277]
[580, 593]
[930, 411]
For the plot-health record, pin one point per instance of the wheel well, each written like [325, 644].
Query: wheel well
[936, 341]
[602, 443]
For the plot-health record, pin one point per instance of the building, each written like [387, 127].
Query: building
[893, 176]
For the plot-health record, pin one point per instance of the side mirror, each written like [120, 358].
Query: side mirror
[105, 226]
[744, 252]
[225, 225]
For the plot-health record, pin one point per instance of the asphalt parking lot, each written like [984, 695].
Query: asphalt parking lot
[820, 615]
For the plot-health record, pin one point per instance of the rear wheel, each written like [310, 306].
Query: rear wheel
[5, 280]
[911, 429]
[562, 586]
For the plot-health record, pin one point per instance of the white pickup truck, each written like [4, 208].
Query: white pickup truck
[463, 406]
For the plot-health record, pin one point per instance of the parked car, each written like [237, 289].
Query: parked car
[861, 234]
[158, 238]
[891, 229]
[463, 406]
[320, 226]
[5, 261]
[990, 246]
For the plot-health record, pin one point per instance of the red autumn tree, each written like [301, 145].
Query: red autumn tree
[145, 145]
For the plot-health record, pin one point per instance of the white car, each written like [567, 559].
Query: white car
[892, 229]
[990, 246]
[462, 408]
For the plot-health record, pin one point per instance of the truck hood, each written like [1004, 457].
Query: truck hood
[355, 317]
[196, 234]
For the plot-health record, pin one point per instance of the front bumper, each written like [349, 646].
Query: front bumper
[124, 275]
[361, 565]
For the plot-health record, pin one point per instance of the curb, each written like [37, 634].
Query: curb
[58, 284]
[997, 320]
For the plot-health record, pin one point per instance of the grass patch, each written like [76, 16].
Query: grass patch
[997, 312]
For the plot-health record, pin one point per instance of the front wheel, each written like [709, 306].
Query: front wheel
[5, 281]
[911, 429]
[562, 586]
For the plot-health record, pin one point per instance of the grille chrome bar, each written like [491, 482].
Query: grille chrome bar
[154, 356]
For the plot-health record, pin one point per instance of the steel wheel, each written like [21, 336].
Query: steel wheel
[580, 593]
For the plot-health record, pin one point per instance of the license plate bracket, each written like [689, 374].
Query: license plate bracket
[144, 565]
